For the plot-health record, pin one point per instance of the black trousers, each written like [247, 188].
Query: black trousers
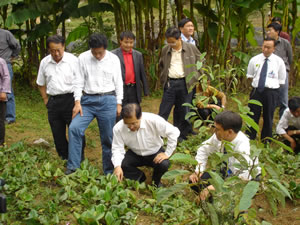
[130, 96]
[131, 161]
[2, 122]
[296, 137]
[175, 93]
[60, 116]
[205, 176]
[269, 99]
[205, 112]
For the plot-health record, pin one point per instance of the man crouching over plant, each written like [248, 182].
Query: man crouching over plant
[289, 124]
[227, 129]
[141, 133]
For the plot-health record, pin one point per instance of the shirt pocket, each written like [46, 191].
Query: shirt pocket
[108, 77]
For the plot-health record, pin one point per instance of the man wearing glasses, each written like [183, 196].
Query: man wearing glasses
[175, 65]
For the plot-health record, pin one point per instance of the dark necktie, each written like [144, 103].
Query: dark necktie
[263, 76]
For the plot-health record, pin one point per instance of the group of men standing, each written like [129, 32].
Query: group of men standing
[99, 83]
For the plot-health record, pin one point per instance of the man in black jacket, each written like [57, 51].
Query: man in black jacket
[133, 72]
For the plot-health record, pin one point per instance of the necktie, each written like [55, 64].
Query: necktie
[263, 76]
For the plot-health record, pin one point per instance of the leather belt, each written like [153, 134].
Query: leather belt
[176, 78]
[100, 94]
[61, 95]
[130, 85]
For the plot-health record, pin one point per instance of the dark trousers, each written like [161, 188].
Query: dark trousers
[175, 93]
[130, 96]
[198, 187]
[60, 116]
[131, 161]
[2, 122]
[269, 101]
[296, 137]
[205, 112]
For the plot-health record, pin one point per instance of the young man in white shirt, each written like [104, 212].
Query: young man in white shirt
[289, 124]
[227, 128]
[268, 73]
[141, 133]
[55, 79]
[98, 94]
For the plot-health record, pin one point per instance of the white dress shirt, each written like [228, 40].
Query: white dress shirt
[190, 40]
[58, 77]
[276, 70]
[241, 144]
[146, 140]
[99, 76]
[286, 120]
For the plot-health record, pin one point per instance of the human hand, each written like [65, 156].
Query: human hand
[293, 144]
[119, 109]
[205, 192]
[160, 157]
[3, 97]
[45, 100]
[195, 177]
[77, 109]
[119, 173]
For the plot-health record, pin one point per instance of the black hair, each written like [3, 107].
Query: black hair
[98, 41]
[294, 103]
[276, 26]
[229, 120]
[276, 19]
[270, 39]
[127, 34]
[173, 32]
[183, 22]
[129, 109]
[57, 39]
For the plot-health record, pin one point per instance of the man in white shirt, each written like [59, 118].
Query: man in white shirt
[268, 73]
[289, 124]
[98, 93]
[186, 27]
[227, 128]
[141, 133]
[55, 81]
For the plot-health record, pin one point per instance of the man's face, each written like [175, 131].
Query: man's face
[271, 33]
[98, 53]
[188, 29]
[221, 133]
[296, 113]
[132, 123]
[268, 48]
[174, 43]
[56, 51]
[126, 44]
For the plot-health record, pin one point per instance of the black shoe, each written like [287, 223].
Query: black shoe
[9, 121]
[141, 178]
[69, 171]
[159, 185]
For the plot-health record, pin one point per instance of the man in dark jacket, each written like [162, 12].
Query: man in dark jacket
[174, 64]
[133, 72]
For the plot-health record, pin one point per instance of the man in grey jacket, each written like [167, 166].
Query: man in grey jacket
[9, 48]
[174, 69]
